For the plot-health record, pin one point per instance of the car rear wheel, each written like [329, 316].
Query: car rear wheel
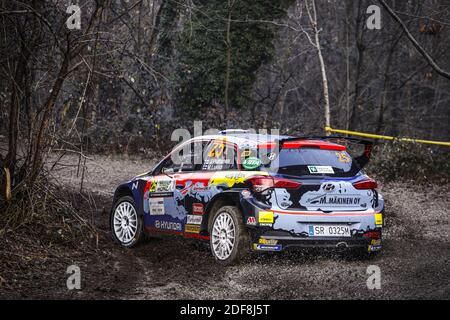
[229, 239]
[126, 224]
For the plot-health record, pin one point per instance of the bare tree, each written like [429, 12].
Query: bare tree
[312, 14]
[228, 64]
[32, 28]
[416, 44]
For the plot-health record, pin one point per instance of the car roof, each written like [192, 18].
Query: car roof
[242, 140]
[253, 140]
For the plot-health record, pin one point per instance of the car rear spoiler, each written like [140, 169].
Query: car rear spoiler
[362, 159]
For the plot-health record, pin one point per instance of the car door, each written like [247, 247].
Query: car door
[164, 211]
[176, 178]
[192, 187]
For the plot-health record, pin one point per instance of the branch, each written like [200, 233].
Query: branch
[418, 47]
[425, 18]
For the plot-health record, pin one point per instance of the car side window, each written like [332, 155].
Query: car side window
[219, 155]
[189, 158]
[193, 158]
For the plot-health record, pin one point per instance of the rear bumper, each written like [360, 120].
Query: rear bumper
[274, 229]
[332, 243]
[274, 241]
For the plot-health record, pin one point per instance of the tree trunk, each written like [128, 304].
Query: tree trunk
[361, 49]
[228, 66]
[326, 96]
[347, 67]
[48, 106]
[18, 84]
[380, 121]
[155, 32]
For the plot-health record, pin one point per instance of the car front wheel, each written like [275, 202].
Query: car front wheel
[126, 224]
[229, 239]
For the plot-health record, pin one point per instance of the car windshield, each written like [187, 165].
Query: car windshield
[313, 162]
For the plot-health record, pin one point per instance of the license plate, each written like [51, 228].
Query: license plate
[329, 231]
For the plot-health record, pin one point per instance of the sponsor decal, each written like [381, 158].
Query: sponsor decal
[165, 185]
[343, 156]
[333, 200]
[246, 153]
[194, 219]
[153, 185]
[233, 177]
[168, 225]
[251, 163]
[270, 242]
[251, 221]
[198, 191]
[156, 206]
[321, 169]
[373, 248]
[264, 247]
[217, 164]
[378, 219]
[375, 242]
[197, 208]
[134, 186]
[161, 195]
[192, 228]
[328, 187]
[162, 185]
[265, 218]
[339, 195]
[271, 156]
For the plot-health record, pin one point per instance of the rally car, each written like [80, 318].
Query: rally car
[241, 191]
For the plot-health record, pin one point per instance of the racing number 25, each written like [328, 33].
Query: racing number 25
[216, 150]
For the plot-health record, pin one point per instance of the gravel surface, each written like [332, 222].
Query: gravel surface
[414, 263]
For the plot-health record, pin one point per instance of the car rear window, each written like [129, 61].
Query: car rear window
[313, 162]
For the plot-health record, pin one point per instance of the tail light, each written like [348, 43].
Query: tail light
[261, 183]
[366, 184]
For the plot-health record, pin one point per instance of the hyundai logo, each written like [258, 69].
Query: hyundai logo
[328, 187]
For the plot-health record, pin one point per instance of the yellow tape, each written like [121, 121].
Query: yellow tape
[377, 136]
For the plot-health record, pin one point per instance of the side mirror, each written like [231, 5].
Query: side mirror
[167, 170]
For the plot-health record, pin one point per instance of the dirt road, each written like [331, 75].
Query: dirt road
[414, 263]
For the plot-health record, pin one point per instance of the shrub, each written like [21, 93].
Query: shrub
[405, 160]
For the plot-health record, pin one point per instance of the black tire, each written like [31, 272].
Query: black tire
[139, 234]
[242, 241]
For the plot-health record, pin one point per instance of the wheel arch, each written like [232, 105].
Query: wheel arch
[227, 198]
[122, 191]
